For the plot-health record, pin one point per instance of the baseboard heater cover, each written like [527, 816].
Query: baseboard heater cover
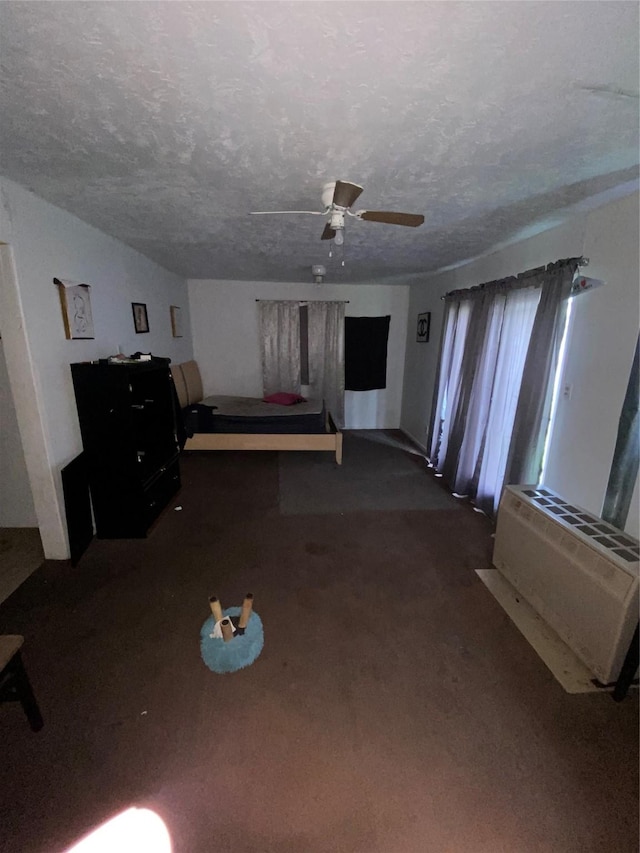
[576, 570]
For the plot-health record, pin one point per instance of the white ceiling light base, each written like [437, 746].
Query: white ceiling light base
[318, 271]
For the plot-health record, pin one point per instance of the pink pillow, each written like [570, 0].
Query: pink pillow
[284, 398]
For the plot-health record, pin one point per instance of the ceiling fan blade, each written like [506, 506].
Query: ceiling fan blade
[266, 212]
[346, 193]
[328, 233]
[390, 217]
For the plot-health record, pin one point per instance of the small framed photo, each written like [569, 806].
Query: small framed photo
[424, 326]
[176, 321]
[76, 310]
[140, 319]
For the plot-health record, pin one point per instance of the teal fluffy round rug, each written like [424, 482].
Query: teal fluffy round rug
[237, 653]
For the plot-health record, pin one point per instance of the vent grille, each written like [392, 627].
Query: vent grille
[579, 573]
[620, 546]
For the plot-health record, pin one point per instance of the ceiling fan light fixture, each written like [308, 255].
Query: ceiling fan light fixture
[337, 200]
[337, 219]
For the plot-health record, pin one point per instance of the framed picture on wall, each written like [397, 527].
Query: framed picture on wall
[140, 318]
[424, 326]
[176, 321]
[76, 310]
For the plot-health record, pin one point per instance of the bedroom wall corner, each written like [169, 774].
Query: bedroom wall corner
[45, 241]
[226, 342]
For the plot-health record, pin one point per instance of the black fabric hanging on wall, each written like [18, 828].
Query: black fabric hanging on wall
[365, 353]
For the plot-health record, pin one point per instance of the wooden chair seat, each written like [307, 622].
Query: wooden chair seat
[14, 683]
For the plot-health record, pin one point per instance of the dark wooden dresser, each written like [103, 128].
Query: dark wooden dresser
[127, 420]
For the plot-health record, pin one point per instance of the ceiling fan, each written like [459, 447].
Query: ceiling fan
[337, 199]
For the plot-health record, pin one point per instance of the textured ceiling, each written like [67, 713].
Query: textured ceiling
[165, 123]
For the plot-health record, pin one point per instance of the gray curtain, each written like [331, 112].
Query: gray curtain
[454, 331]
[624, 468]
[464, 391]
[531, 423]
[499, 354]
[326, 355]
[442, 372]
[280, 338]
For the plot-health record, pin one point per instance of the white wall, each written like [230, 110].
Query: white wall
[46, 242]
[16, 502]
[227, 348]
[599, 351]
[600, 348]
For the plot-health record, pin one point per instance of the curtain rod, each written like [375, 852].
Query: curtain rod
[304, 301]
[515, 279]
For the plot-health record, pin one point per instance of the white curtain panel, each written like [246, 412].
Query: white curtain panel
[481, 398]
[519, 315]
[326, 355]
[478, 390]
[497, 365]
[533, 411]
[456, 325]
[439, 412]
[280, 338]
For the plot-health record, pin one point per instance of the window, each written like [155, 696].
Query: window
[501, 349]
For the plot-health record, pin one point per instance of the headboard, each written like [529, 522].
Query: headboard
[188, 382]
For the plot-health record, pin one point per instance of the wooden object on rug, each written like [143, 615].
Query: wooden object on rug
[247, 607]
[216, 608]
[227, 630]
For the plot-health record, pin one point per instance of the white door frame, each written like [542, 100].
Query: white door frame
[45, 482]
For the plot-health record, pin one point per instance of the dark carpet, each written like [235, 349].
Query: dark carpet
[20, 555]
[394, 708]
[374, 476]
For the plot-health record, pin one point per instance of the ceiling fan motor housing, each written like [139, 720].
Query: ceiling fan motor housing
[337, 219]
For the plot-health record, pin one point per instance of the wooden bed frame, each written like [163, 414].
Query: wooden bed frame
[188, 385]
[330, 440]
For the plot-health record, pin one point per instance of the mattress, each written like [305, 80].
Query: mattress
[224, 414]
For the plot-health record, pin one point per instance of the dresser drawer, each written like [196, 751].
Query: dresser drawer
[157, 494]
